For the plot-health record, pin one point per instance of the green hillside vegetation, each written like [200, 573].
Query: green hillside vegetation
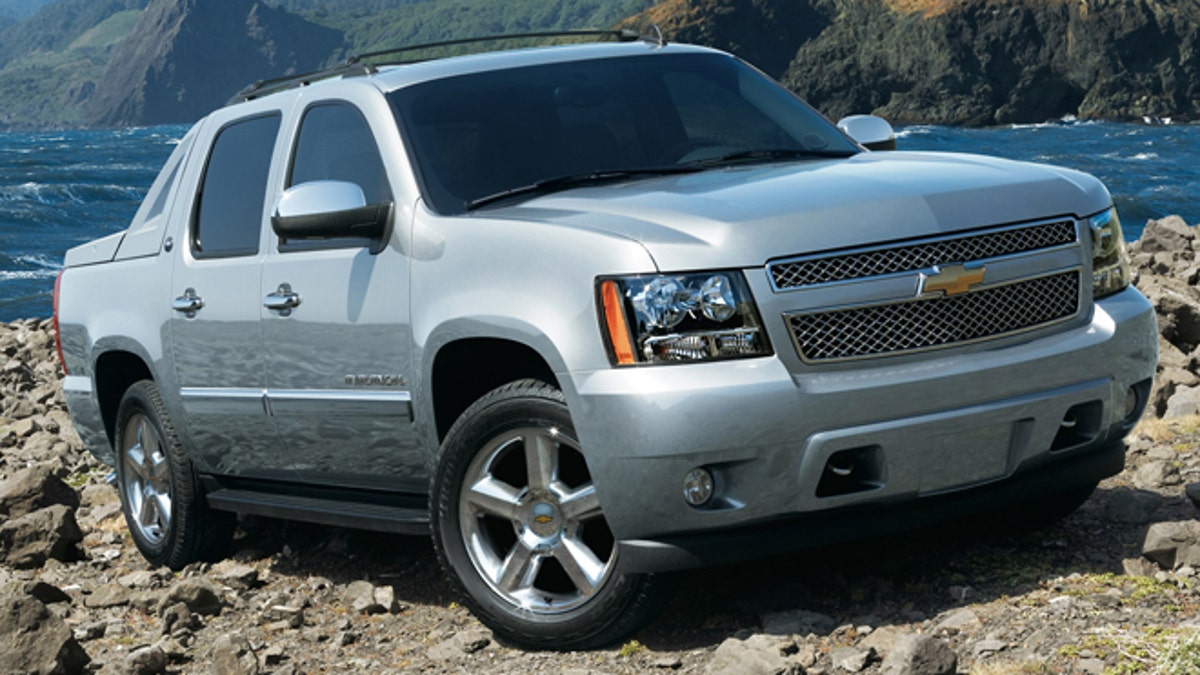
[51, 62]
[58, 24]
[49, 85]
[108, 32]
[332, 7]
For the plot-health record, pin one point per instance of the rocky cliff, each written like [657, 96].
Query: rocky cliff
[973, 62]
[186, 57]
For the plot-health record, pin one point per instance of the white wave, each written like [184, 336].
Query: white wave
[40, 261]
[121, 166]
[24, 191]
[1064, 121]
[918, 130]
[27, 275]
[1143, 156]
[74, 193]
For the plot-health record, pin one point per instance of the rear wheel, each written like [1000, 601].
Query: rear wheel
[161, 497]
[518, 525]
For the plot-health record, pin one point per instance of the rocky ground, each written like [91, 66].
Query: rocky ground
[1111, 589]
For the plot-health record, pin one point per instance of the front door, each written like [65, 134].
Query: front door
[337, 359]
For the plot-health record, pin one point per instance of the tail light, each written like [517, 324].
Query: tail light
[58, 334]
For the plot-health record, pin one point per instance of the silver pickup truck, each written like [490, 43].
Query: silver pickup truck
[592, 312]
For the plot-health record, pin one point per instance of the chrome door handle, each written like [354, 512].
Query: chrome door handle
[189, 303]
[283, 299]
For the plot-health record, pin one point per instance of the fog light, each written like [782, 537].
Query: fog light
[698, 487]
[1131, 402]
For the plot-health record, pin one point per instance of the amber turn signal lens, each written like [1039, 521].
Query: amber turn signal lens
[614, 320]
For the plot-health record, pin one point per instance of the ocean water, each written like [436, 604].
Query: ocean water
[60, 189]
[63, 188]
[1151, 170]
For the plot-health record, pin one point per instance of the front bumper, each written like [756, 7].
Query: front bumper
[924, 432]
[837, 526]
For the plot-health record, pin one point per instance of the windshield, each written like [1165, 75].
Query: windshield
[499, 134]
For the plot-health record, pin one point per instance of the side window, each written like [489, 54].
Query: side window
[335, 143]
[229, 215]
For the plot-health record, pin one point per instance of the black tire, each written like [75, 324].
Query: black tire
[161, 496]
[543, 524]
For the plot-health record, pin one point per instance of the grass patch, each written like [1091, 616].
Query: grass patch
[1181, 657]
[1163, 430]
[1154, 651]
[630, 649]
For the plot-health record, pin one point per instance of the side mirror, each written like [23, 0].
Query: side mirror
[873, 133]
[330, 209]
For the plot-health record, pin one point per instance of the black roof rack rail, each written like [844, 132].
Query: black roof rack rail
[621, 35]
[355, 66]
[270, 86]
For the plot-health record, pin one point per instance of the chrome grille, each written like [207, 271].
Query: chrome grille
[935, 322]
[921, 255]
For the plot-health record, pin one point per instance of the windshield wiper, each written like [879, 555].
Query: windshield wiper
[548, 185]
[767, 154]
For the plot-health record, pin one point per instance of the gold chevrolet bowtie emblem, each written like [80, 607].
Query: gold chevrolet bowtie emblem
[542, 520]
[952, 280]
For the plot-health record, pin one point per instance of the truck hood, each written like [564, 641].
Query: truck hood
[745, 216]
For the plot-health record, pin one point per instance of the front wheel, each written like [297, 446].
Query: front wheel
[518, 525]
[161, 496]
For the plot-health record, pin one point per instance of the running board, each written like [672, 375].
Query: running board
[324, 511]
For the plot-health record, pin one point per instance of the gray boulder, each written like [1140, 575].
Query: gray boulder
[366, 598]
[1174, 544]
[1183, 403]
[851, 659]
[198, 594]
[916, 654]
[233, 655]
[756, 655]
[1132, 507]
[146, 661]
[32, 489]
[34, 639]
[50, 533]
[460, 644]
[109, 595]
[1168, 235]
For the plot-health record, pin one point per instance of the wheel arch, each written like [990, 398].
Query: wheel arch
[463, 370]
[115, 371]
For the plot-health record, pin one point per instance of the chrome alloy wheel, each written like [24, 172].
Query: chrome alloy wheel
[146, 479]
[532, 524]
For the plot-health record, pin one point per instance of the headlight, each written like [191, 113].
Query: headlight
[671, 318]
[1110, 261]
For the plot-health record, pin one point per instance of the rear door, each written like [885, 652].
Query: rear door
[215, 334]
[338, 362]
